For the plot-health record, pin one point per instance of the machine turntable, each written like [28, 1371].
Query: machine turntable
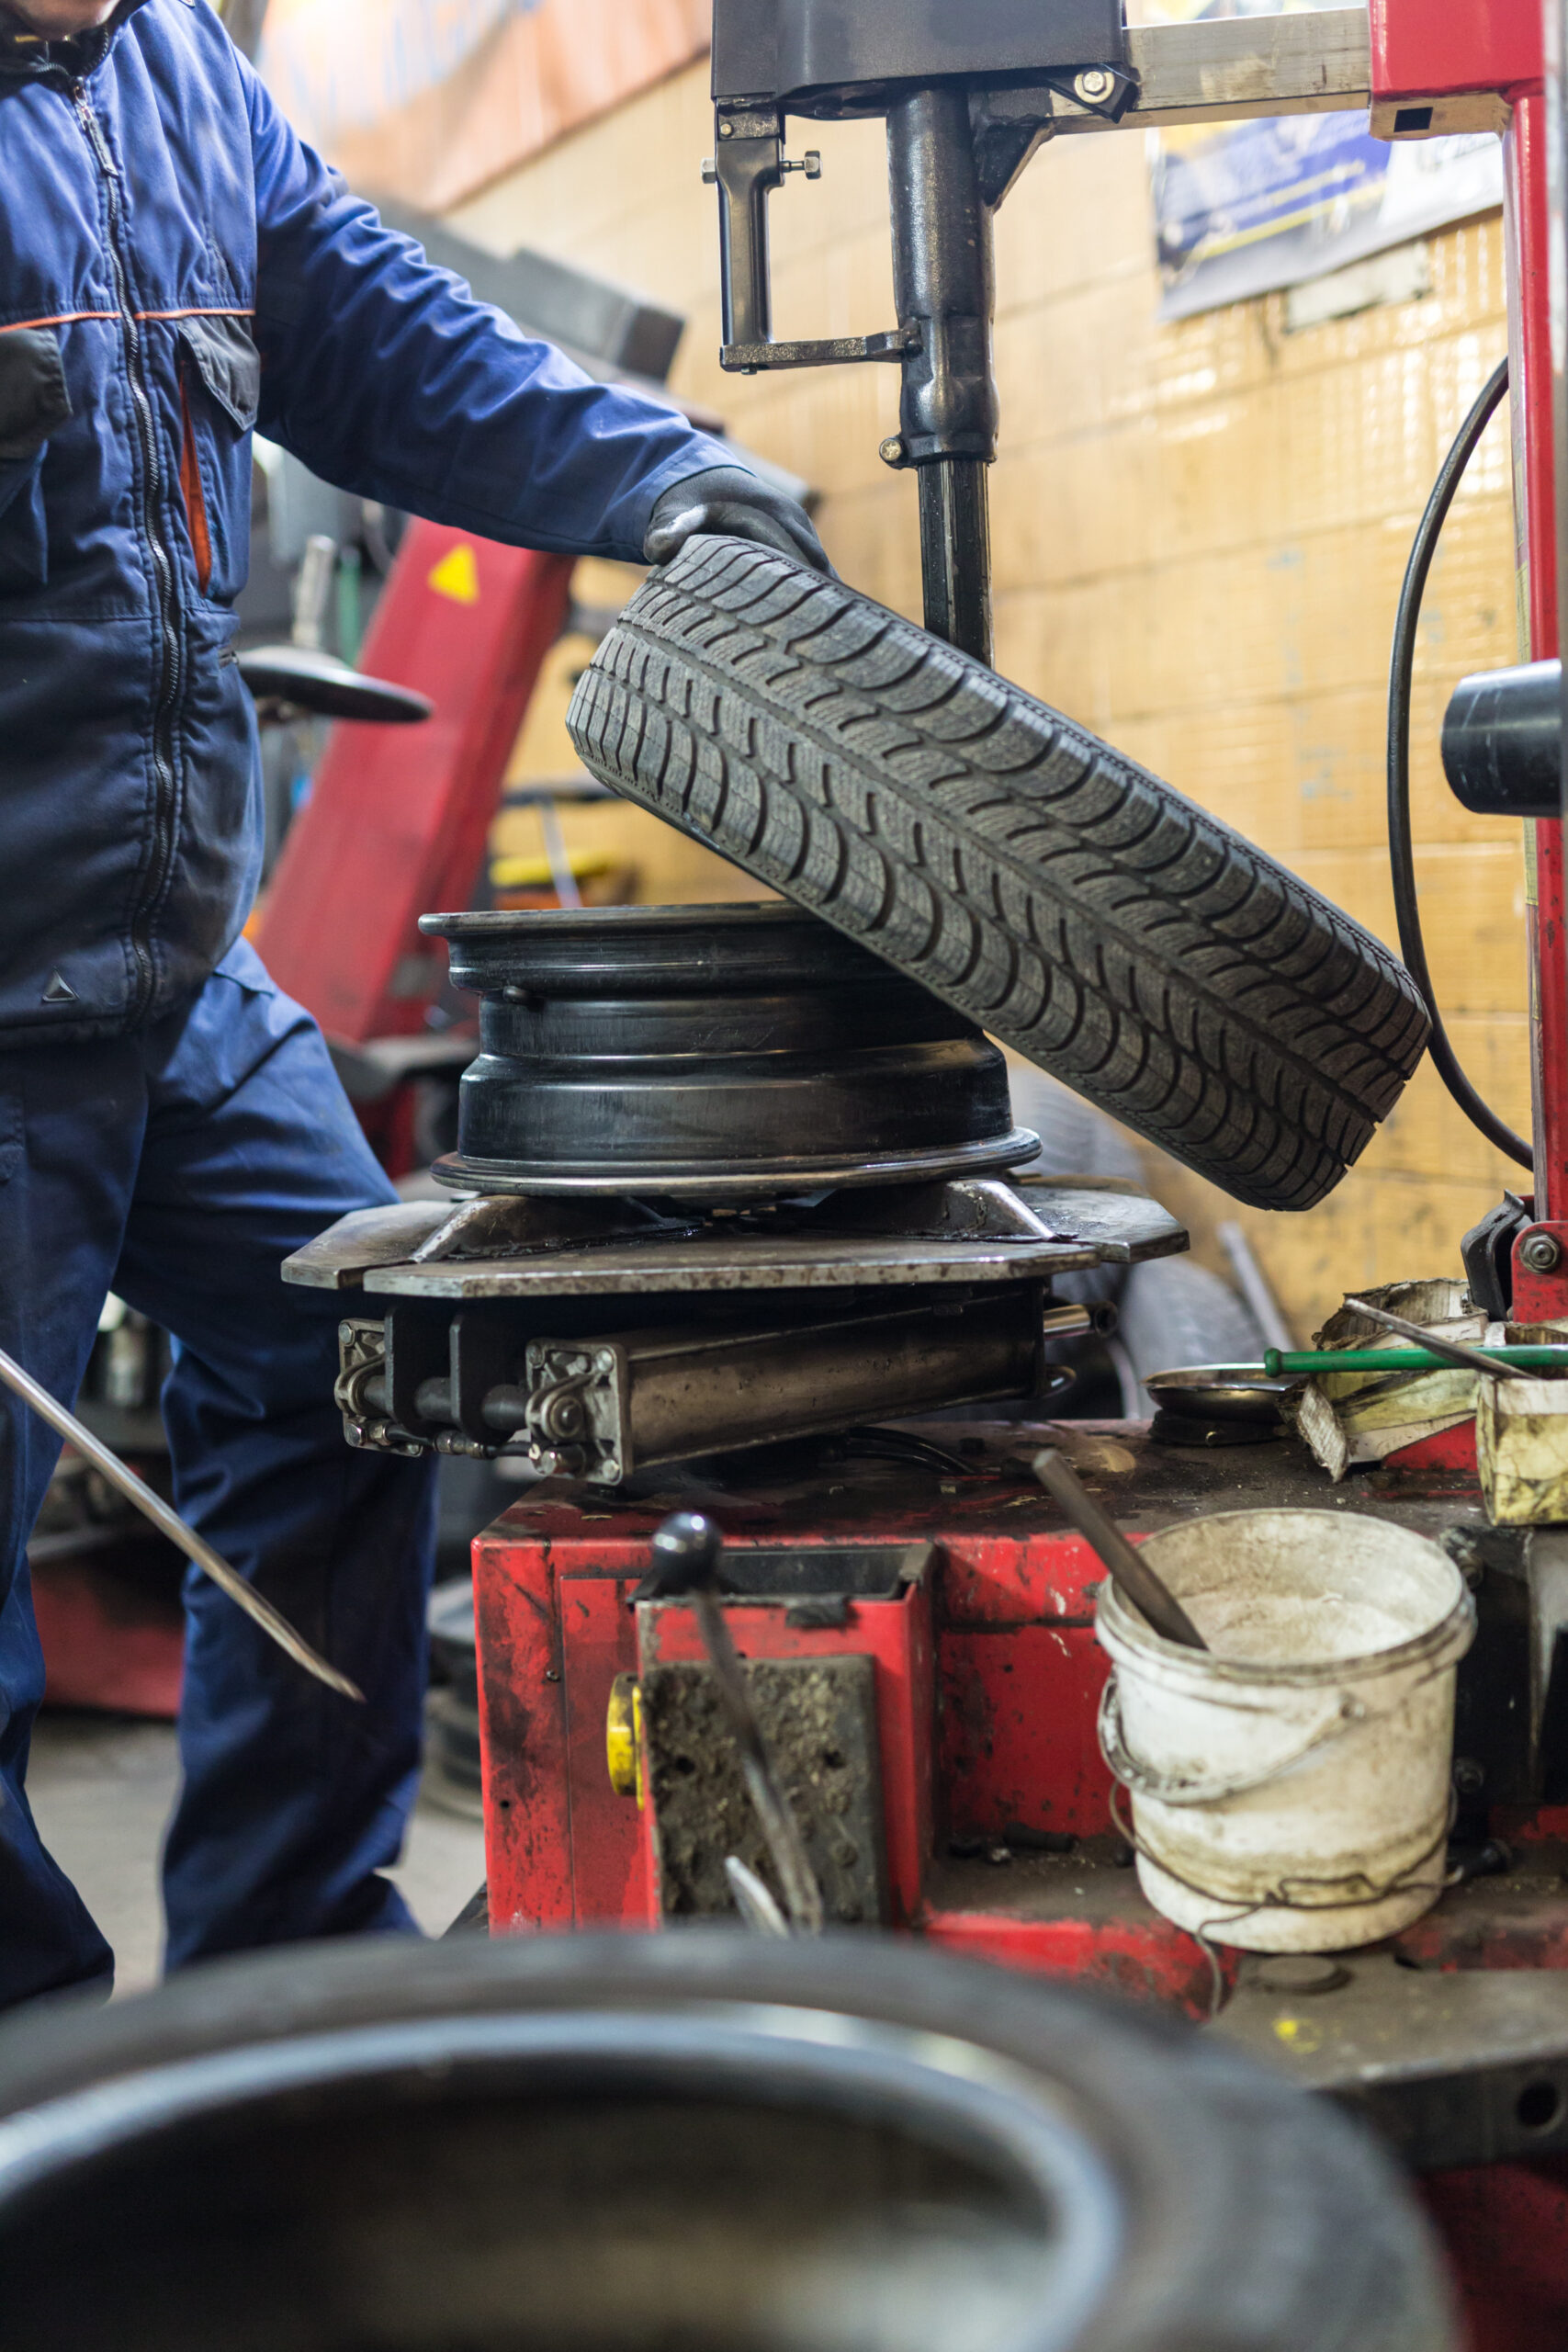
[723, 1178]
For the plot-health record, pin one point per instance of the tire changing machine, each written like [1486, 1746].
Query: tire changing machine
[690, 1289]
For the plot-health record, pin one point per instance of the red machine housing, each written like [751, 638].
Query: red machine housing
[1001, 1837]
[988, 1679]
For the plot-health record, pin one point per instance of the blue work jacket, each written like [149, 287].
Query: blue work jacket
[177, 267]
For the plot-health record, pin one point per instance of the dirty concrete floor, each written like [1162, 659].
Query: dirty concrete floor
[103, 1786]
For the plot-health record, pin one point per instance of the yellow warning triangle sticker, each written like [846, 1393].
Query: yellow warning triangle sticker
[458, 576]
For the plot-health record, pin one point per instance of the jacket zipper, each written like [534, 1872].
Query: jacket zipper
[170, 647]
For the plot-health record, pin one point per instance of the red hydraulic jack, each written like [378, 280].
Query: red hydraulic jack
[952, 1618]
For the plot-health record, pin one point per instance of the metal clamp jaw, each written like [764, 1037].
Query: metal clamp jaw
[748, 163]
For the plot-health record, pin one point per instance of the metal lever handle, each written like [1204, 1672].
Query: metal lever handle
[686, 1551]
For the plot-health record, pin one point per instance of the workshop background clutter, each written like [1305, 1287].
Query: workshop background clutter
[1200, 529]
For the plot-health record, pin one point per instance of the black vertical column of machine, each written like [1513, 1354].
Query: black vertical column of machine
[943, 279]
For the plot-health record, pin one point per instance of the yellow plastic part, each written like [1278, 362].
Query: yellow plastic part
[623, 1737]
[536, 873]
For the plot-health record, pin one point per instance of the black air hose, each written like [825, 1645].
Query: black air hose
[1402, 859]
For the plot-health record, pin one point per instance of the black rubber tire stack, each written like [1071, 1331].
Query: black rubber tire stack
[1056, 892]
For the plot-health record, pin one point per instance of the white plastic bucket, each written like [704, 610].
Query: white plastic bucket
[1289, 1786]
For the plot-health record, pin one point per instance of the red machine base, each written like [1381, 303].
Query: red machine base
[999, 1835]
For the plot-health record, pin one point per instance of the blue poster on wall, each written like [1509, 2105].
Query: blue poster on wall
[1248, 207]
[1267, 204]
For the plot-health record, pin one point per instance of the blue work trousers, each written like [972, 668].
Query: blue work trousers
[177, 1166]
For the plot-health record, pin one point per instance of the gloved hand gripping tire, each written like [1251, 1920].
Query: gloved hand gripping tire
[728, 503]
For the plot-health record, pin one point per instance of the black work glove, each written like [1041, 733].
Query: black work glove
[728, 503]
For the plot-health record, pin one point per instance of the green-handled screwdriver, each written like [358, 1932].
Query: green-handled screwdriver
[1426, 1352]
[1287, 1363]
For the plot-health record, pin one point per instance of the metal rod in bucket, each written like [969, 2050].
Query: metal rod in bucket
[1134, 1577]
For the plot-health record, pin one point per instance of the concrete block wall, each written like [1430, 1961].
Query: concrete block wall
[1199, 535]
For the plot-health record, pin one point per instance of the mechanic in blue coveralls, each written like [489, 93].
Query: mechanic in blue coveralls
[177, 267]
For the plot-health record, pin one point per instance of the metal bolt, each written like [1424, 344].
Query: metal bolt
[1470, 1776]
[1094, 85]
[710, 171]
[891, 451]
[562, 1416]
[726, 131]
[810, 163]
[1541, 1253]
[605, 1362]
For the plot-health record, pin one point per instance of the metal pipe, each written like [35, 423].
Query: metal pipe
[747, 1390]
[1502, 741]
[561, 874]
[955, 554]
[945, 283]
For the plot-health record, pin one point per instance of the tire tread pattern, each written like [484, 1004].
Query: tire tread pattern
[1025, 872]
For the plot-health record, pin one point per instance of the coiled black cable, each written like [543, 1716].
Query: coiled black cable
[1401, 852]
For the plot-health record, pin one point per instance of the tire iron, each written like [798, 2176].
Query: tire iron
[169, 1524]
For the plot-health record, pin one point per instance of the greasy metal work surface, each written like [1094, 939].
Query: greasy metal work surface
[1126, 1226]
[340, 1258]
[856, 1500]
[721, 1262]
[819, 1716]
[1454, 2066]
[979, 1230]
